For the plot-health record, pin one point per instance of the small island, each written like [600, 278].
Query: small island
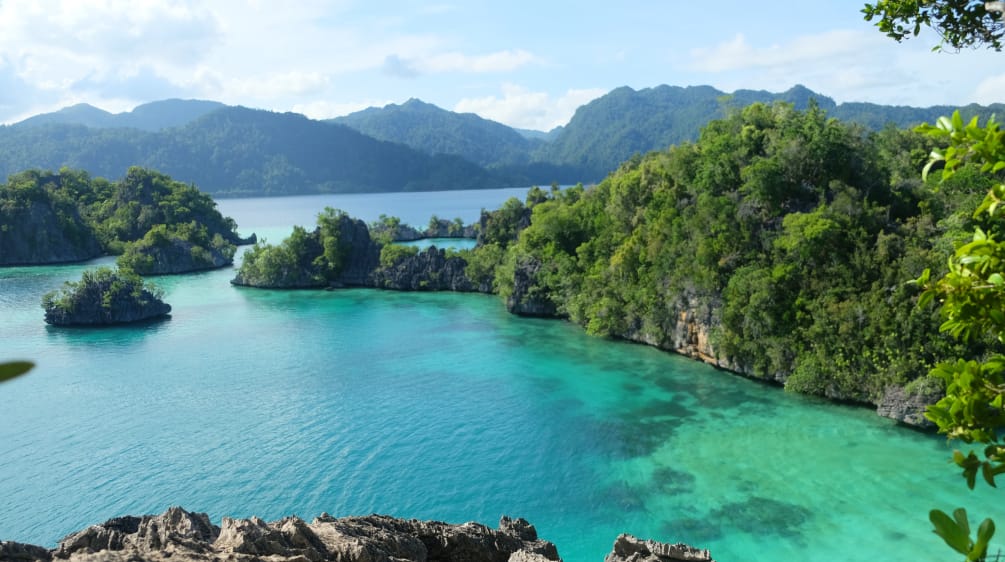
[103, 297]
[157, 224]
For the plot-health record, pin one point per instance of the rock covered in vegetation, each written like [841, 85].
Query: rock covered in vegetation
[178, 535]
[428, 270]
[104, 296]
[65, 216]
[36, 229]
[526, 297]
[630, 549]
[181, 249]
[338, 253]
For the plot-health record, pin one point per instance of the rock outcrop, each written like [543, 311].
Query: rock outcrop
[908, 407]
[44, 232]
[528, 298]
[179, 256]
[429, 270]
[179, 536]
[361, 254]
[630, 549]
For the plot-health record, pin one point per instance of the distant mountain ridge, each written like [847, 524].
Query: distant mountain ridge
[437, 131]
[411, 146]
[153, 116]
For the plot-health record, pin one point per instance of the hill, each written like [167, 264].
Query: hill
[433, 130]
[152, 116]
[236, 150]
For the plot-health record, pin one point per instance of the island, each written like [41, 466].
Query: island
[159, 225]
[104, 296]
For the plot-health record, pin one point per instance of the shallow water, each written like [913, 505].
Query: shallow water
[250, 402]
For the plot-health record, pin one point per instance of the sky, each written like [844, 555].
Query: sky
[525, 64]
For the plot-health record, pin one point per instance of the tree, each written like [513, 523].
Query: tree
[960, 23]
[972, 295]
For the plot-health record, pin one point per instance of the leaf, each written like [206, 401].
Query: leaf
[14, 369]
[950, 531]
[960, 515]
[989, 474]
[985, 531]
[996, 279]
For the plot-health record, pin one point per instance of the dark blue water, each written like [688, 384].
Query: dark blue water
[250, 402]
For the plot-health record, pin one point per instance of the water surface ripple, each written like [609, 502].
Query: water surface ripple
[439, 406]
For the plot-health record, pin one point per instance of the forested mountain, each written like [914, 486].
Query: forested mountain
[412, 146]
[236, 150]
[152, 116]
[428, 128]
[613, 127]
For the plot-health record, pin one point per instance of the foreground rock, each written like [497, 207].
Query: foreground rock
[630, 549]
[101, 297]
[180, 536]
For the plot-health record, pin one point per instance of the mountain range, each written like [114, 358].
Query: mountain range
[228, 150]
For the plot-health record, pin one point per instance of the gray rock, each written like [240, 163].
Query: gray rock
[528, 297]
[37, 232]
[630, 549]
[180, 536]
[908, 408]
[428, 270]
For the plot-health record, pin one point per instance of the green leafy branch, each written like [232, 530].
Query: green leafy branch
[14, 369]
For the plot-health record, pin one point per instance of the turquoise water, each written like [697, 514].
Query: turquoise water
[444, 243]
[249, 402]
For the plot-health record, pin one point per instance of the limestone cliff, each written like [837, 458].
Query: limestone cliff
[180, 536]
[429, 270]
[44, 232]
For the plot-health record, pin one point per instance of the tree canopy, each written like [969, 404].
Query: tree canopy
[960, 23]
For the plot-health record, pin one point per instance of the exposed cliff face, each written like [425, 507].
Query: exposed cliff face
[180, 536]
[361, 254]
[177, 256]
[527, 297]
[429, 270]
[43, 232]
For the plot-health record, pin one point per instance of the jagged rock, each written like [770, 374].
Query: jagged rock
[908, 408]
[361, 251]
[429, 270]
[17, 552]
[630, 549]
[180, 536]
[528, 298]
[37, 232]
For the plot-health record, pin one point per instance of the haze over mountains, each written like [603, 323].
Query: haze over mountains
[411, 146]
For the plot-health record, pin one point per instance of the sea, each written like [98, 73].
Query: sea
[438, 406]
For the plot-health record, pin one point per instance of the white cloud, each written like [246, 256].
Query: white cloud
[990, 90]
[520, 107]
[738, 54]
[444, 62]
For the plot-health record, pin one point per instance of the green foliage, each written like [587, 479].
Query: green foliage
[14, 369]
[960, 23]
[972, 295]
[103, 285]
[304, 259]
[955, 531]
[193, 239]
[785, 233]
[392, 254]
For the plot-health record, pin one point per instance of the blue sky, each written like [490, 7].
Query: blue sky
[526, 64]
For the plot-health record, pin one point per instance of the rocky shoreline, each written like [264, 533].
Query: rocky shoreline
[181, 536]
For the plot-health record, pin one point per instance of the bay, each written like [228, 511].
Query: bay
[442, 406]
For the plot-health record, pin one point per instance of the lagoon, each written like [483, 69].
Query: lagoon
[440, 406]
